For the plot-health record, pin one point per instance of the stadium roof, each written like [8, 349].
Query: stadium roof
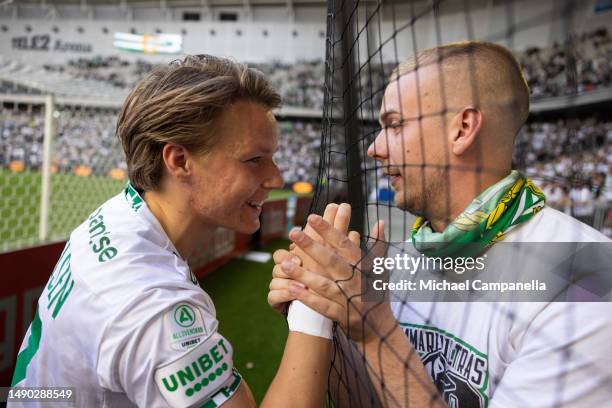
[164, 3]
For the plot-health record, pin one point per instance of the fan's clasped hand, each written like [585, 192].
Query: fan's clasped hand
[329, 280]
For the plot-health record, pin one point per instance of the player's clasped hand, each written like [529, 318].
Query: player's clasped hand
[279, 295]
[331, 284]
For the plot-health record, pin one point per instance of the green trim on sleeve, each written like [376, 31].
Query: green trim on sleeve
[25, 357]
[224, 393]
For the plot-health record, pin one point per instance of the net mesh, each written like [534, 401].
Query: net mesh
[563, 149]
[87, 168]
[20, 186]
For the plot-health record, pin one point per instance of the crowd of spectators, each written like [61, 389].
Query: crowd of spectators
[297, 157]
[110, 70]
[571, 161]
[580, 64]
[21, 139]
[86, 137]
[299, 84]
[83, 138]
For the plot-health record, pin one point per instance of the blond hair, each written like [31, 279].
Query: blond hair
[180, 104]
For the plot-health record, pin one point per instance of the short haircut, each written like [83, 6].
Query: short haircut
[494, 75]
[181, 103]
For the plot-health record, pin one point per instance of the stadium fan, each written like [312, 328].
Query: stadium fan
[449, 159]
[123, 319]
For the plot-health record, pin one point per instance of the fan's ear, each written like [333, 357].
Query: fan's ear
[464, 129]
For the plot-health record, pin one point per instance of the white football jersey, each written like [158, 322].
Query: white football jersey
[510, 354]
[123, 321]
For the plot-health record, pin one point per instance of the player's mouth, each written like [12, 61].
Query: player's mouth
[256, 205]
[395, 180]
[394, 175]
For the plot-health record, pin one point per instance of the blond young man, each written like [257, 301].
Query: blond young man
[122, 320]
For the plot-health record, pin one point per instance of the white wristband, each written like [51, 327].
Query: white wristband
[303, 319]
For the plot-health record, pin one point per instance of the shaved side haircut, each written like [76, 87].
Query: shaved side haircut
[481, 74]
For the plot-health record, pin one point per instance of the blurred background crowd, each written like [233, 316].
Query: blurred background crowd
[86, 139]
[546, 72]
[300, 84]
[570, 159]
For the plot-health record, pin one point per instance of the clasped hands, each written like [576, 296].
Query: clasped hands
[323, 269]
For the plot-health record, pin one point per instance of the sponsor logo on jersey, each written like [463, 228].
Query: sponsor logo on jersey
[187, 326]
[458, 369]
[99, 237]
[199, 374]
[184, 316]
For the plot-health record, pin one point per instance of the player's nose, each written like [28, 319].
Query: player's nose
[378, 148]
[274, 179]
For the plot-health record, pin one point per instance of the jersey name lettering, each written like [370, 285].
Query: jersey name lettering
[61, 283]
[99, 239]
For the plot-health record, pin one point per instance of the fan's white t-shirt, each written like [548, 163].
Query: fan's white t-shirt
[517, 354]
[123, 321]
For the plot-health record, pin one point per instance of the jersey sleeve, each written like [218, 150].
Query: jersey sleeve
[563, 359]
[164, 350]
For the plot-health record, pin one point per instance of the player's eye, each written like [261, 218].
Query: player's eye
[395, 125]
[254, 160]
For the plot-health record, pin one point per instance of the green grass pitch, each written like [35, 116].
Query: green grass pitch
[239, 291]
[71, 200]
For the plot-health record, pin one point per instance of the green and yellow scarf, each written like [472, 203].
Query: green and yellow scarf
[487, 220]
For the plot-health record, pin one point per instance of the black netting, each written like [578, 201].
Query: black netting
[563, 148]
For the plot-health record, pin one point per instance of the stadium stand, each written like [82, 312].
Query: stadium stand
[571, 160]
[545, 69]
[299, 83]
[87, 137]
[41, 80]
[576, 173]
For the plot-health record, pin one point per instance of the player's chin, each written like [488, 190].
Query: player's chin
[401, 201]
[248, 226]
[400, 204]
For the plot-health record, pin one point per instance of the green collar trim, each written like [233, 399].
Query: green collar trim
[132, 197]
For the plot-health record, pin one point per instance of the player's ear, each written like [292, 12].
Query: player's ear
[176, 160]
[464, 128]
